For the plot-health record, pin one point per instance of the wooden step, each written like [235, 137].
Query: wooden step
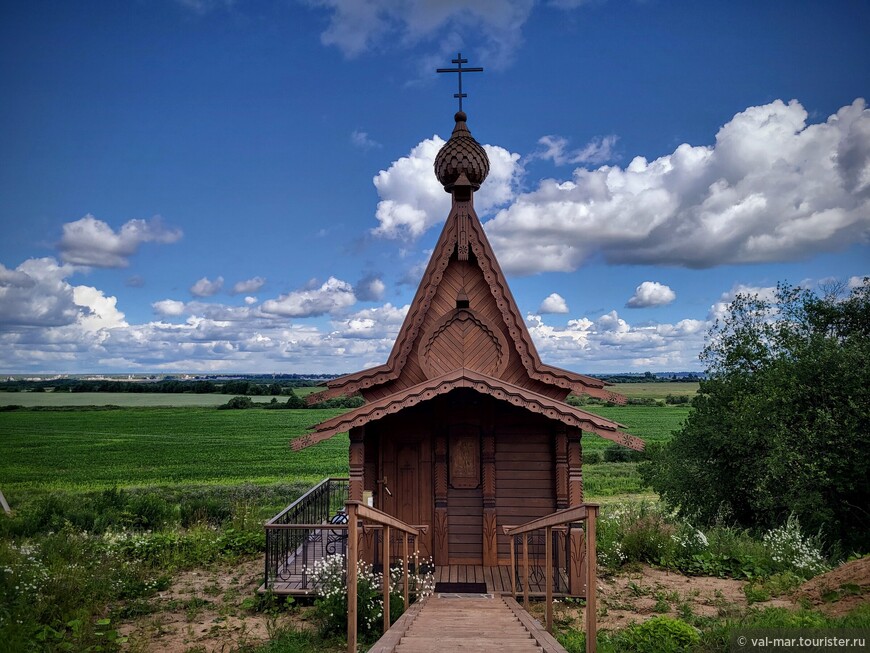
[467, 624]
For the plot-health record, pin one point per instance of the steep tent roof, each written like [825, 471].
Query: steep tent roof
[463, 328]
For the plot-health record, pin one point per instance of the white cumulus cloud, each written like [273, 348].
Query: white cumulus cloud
[771, 188]
[333, 295]
[596, 151]
[495, 25]
[651, 293]
[247, 286]
[370, 288]
[36, 294]
[100, 312]
[412, 200]
[554, 303]
[363, 141]
[168, 307]
[205, 287]
[611, 343]
[94, 243]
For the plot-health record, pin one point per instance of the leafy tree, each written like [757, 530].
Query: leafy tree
[295, 401]
[237, 403]
[782, 423]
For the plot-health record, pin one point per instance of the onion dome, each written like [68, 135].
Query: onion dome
[461, 155]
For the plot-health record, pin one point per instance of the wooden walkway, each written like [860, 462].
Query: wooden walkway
[467, 622]
[498, 579]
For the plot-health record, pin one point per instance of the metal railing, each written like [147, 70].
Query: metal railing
[586, 513]
[312, 526]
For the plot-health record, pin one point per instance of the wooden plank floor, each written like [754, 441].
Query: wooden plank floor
[497, 579]
[481, 624]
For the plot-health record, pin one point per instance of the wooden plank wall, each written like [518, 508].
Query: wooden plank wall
[524, 478]
[465, 523]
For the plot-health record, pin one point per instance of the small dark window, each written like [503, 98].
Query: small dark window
[461, 303]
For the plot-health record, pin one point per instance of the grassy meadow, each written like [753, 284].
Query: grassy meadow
[134, 443]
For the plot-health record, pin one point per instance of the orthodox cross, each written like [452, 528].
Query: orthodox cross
[459, 69]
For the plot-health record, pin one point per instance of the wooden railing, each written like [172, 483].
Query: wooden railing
[588, 513]
[359, 513]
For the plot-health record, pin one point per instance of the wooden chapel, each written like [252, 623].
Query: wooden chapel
[464, 428]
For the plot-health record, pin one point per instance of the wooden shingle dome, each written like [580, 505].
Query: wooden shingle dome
[461, 155]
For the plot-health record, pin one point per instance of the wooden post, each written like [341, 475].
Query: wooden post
[405, 565]
[490, 539]
[356, 456]
[576, 550]
[526, 567]
[352, 557]
[514, 566]
[548, 574]
[386, 582]
[442, 553]
[591, 581]
[5, 505]
[561, 462]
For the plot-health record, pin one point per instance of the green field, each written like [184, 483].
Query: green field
[92, 449]
[128, 399]
[84, 449]
[655, 390]
[651, 423]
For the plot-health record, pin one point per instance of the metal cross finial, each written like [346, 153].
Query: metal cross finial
[459, 69]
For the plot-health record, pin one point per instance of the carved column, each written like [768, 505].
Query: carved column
[577, 574]
[357, 464]
[490, 541]
[440, 527]
[561, 458]
[575, 468]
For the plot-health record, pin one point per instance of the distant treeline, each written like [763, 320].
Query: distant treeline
[649, 377]
[292, 403]
[235, 387]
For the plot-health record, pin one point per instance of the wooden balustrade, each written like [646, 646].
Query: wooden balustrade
[358, 512]
[587, 513]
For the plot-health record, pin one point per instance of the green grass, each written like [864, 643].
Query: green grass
[94, 449]
[650, 423]
[655, 390]
[86, 449]
[128, 399]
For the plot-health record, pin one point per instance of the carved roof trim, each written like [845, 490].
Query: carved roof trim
[500, 290]
[463, 378]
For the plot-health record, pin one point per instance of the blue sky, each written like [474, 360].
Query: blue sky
[240, 186]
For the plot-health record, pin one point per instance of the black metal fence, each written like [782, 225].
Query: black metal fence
[311, 528]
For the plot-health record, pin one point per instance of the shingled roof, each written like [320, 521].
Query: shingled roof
[464, 329]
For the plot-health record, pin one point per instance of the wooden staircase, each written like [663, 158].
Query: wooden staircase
[467, 622]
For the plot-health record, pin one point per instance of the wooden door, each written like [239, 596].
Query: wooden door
[407, 468]
[407, 487]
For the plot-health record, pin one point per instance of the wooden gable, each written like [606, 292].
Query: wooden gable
[464, 329]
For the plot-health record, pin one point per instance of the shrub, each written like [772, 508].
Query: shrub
[204, 509]
[659, 635]
[237, 403]
[149, 511]
[330, 609]
[790, 551]
[616, 454]
[591, 457]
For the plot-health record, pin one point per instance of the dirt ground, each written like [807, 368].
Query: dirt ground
[204, 611]
[635, 596]
[839, 591]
